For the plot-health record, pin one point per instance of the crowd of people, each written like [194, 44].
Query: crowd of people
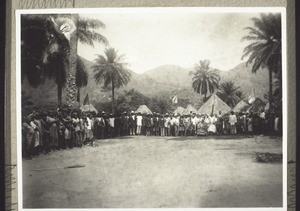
[46, 130]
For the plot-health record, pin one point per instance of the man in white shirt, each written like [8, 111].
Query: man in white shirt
[139, 120]
[232, 122]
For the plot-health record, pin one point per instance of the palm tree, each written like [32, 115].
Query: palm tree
[47, 57]
[75, 29]
[110, 70]
[42, 58]
[205, 80]
[265, 47]
[230, 93]
[81, 76]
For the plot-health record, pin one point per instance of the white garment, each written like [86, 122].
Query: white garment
[176, 121]
[88, 124]
[167, 121]
[276, 124]
[33, 125]
[212, 127]
[232, 119]
[207, 120]
[139, 120]
[111, 122]
[262, 115]
[195, 120]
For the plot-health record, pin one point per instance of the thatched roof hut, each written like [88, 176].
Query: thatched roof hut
[256, 106]
[88, 108]
[143, 109]
[240, 106]
[213, 105]
[189, 110]
[179, 110]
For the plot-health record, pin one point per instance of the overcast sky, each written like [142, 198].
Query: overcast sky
[150, 39]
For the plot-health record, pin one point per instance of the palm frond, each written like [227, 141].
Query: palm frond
[90, 23]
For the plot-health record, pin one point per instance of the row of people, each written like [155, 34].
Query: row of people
[45, 131]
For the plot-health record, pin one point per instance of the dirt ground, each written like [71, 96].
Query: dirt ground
[154, 172]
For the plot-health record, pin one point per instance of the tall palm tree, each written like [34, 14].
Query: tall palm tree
[47, 57]
[265, 47]
[81, 76]
[110, 70]
[230, 93]
[75, 29]
[205, 80]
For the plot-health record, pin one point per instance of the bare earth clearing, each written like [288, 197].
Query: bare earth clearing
[143, 172]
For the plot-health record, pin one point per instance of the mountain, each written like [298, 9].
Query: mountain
[169, 80]
[170, 74]
[241, 75]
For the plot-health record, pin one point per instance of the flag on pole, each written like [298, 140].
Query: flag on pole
[86, 100]
[252, 97]
[175, 99]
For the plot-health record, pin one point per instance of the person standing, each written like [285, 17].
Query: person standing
[148, 125]
[76, 131]
[132, 123]
[181, 128]
[194, 122]
[232, 122]
[167, 125]
[219, 124]
[263, 121]
[161, 122]
[37, 121]
[29, 139]
[111, 128]
[89, 130]
[187, 123]
[176, 125]
[156, 124]
[139, 122]
[212, 129]
[250, 123]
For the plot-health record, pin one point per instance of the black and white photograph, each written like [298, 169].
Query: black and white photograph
[152, 108]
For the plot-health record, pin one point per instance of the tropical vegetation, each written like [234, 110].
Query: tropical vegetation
[205, 80]
[230, 93]
[110, 71]
[54, 54]
[75, 29]
[265, 48]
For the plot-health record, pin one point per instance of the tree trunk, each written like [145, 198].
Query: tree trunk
[270, 90]
[71, 87]
[78, 95]
[113, 95]
[59, 94]
[204, 100]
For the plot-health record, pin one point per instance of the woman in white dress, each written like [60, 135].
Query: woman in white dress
[212, 129]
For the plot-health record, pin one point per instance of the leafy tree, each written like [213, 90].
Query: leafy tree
[205, 80]
[265, 47]
[35, 64]
[230, 93]
[277, 94]
[110, 70]
[161, 104]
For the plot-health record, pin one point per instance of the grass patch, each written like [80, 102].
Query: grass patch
[266, 157]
